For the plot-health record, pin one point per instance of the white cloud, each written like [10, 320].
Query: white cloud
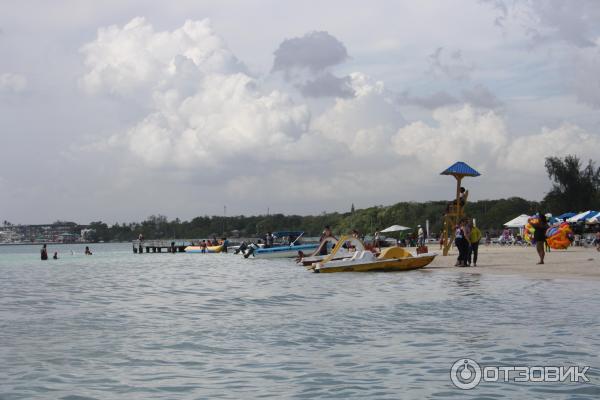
[207, 116]
[465, 133]
[12, 83]
[205, 109]
[546, 21]
[526, 154]
[364, 123]
[226, 118]
[122, 60]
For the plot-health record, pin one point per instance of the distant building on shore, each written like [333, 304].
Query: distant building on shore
[58, 232]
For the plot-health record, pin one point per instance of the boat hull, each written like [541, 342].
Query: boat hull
[382, 265]
[209, 249]
[307, 261]
[283, 251]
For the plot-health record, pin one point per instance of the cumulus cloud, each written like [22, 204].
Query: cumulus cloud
[327, 85]
[524, 153]
[365, 122]
[12, 83]
[544, 21]
[207, 116]
[481, 96]
[225, 119]
[458, 133]
[307, 62]
[315, 51]
[435, 100]
[122, 60]
[477, 95]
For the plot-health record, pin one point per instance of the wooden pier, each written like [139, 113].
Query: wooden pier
[163, 245]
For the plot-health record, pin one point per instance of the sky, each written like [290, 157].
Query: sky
[118, 110]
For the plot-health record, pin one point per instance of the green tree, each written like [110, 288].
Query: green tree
[99, 232]
[574, 188]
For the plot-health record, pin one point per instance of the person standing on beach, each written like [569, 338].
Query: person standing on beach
[420, 236]
[461, 244]
[474, 249]
[467, 232]
[539, 235]
[44, 253]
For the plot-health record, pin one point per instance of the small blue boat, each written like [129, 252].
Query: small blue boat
[282, 250]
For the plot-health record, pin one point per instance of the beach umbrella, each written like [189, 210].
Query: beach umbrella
[582, 216]
[518, 222]
[594, 219]
[396, 228]
[566, 215]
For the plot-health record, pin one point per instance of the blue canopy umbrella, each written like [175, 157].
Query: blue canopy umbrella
[460, 168]
[566, 215]
[581, 217]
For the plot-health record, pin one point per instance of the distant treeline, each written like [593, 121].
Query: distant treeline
[490, 215]
[575, 187]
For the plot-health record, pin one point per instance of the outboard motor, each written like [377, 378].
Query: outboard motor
[250, 250]
[241, 248]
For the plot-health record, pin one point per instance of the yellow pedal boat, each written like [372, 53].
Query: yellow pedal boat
[208, 249]
[390, 259]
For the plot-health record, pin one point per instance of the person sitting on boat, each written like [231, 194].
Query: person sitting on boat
[326, 233]
[291, 239]
[269, 240]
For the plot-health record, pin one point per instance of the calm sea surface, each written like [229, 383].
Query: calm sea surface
[118, 325]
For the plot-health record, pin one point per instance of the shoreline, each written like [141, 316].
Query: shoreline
[573, 263]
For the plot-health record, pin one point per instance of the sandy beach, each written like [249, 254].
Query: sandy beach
[573, 263]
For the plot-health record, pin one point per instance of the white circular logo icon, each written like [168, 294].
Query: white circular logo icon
[465, 374]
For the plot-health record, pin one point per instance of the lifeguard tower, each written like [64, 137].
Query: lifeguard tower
[456, 210]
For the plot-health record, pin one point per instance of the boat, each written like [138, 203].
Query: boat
[390, 259]
[327, 244]
[209, 249]
[281, 250]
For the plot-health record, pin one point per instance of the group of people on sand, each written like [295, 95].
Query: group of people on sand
[44, 252]
[467, 237]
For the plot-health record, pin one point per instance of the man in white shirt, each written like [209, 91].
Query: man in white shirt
[420, 236]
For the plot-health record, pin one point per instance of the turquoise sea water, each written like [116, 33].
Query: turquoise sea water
[118, 325]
